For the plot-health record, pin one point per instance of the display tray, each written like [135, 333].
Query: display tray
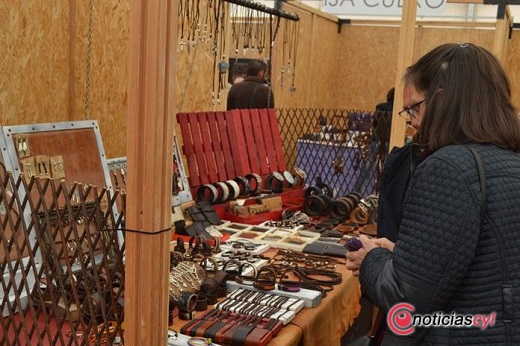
[292, 199]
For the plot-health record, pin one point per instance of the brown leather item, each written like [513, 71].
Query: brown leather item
[265, 279]
[369, 229]
[238, 332]
[359, 215]
[258, 337]
[219, 335]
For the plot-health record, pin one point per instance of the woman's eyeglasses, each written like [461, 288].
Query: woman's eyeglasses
[411, 112]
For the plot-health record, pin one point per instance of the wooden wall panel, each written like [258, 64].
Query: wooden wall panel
[433, 37]
[352, 69]
[34, 64]
[194, 80]
[513, 66]
[108, 90]
[367, 60]
[315, 62]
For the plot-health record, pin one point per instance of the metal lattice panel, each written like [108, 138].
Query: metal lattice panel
[344, 149]
[65, 287]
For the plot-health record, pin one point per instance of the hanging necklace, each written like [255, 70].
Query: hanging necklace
[295, 52]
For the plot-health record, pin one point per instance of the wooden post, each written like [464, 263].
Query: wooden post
[501, 39]
[404, 59]
[152, 52]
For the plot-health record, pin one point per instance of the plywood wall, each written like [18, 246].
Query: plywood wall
[107, 78]
[45, 56]
[34, 64]
[367, 58]
[316, 63]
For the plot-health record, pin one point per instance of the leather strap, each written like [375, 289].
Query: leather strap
[230, 337]
[220, 321]
[219, 335]
[240, 334]
[258, 337]
[192, 326]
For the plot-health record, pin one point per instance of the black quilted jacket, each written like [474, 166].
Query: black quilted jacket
[442, 261]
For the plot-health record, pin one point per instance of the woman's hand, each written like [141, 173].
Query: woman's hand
[355, 258]
[384, 243]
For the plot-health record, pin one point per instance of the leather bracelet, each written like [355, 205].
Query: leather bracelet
[350, 201]
[369, 229]
[312, 190]
[232, 268]
[289, 178]
[300, 176]
[186, 302]
[326, 189]
[219, 334]
[222, 191]
[346, 228]
[265, 279]
[339, 209]
[326, 198]
[274, 182]
[207, 192]
[257, 185]
[359, 215]
[357, 195]
[202, 302]
[354, 198]
[246, 279]
[243, 184]
[313, 205]
[234, 189]
[238, 334]
[289, 285]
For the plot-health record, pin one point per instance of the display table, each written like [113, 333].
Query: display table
[324, 324]
[316, 159]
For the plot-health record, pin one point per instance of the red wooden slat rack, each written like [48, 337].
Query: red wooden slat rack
[223, 145]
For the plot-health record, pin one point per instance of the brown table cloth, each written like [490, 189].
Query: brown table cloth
[324, 324]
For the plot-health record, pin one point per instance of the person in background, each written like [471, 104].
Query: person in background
[237, 80]
[378, 145]
[252, 92]
[445, 263]
[397, 170]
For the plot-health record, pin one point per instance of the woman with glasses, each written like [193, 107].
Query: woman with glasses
[397, 170]
[453, 276]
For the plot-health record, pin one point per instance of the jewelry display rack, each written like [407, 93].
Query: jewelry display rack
[181, 191]
[263, 8]
[79, 158]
